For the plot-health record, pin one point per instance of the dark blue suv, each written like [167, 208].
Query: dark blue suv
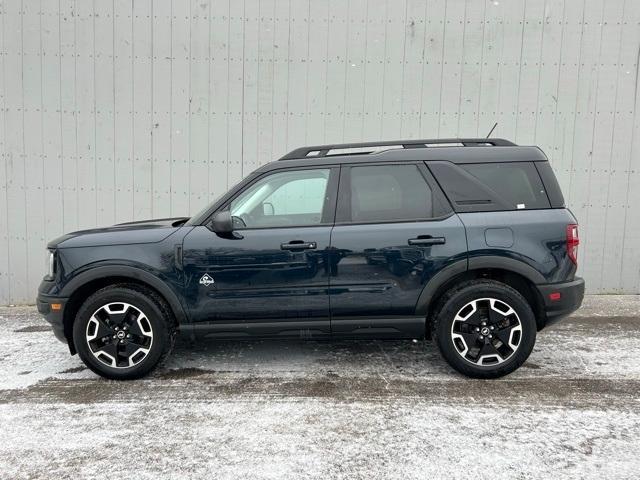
[466, 241]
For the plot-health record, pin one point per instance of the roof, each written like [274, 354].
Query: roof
[467, 150]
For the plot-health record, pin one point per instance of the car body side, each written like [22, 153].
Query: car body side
[526, 249]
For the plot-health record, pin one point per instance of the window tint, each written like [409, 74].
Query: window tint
[291, 198]
[389, 193]
[518, 183]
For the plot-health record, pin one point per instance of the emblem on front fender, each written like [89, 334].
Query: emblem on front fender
[206, 280]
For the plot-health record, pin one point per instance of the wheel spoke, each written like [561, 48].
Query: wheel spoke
[109, 348]
[139, 340]
[130, 316]
[504, 334]
[470, 340]
[488, 349]
[134, 327]
[474, 319]
[123, 351]
[495, 317]
[101, 327]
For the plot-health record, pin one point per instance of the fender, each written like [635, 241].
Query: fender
[507, 263]
[134, 273]
[474, 263]
[437, 281]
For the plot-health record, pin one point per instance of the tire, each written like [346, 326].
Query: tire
[484, 328]
[124, 331]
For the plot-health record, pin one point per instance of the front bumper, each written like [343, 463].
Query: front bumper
[561, 299]
[54, 316]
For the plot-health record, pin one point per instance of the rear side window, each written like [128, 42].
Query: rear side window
[492, 186]
[387, 193]
[518, 183]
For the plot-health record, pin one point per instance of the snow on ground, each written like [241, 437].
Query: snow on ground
[321, 409]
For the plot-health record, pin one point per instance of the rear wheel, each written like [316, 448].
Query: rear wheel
[123, 331]
[484, 329]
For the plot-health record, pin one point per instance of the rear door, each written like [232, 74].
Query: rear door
[394, 231]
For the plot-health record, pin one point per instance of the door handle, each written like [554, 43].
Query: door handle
[295, 245]
[427, 240]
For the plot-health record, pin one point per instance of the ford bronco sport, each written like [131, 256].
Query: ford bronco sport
[466, 241]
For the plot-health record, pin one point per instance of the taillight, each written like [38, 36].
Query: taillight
[572, 242]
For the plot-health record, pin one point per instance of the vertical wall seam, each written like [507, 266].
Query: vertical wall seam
[517, 113]
[593, 127]
[23, 156]
[384, 69]
[5, 154]
[444, 39]
[463, 56]
[61, 116]
[555, 114]
[189, 115]
[210, 58]
[575, 108]
[479, 102]
[43, 156]
[95, 118]
[346, 71]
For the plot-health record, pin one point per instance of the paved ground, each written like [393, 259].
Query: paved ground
[327, 410]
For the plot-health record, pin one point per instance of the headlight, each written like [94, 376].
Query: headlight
[51, 263]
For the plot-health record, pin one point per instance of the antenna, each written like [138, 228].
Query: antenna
[492, 129]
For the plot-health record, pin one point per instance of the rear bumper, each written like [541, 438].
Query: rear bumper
[561, 299]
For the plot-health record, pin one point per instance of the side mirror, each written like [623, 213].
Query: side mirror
[222, 222]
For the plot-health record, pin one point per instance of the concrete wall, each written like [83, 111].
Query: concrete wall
[120, 110]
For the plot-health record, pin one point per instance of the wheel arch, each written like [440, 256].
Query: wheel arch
[523, 278]
[80, 287]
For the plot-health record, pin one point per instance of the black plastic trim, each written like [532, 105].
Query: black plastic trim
[388, 327]
[54, 317]
[506, 263]
[323, 150]
[473, 263]
[571, 296]
[550, 183]
[134, 273]
[438, 280]
[317, 328]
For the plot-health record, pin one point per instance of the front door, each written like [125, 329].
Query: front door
[270, 277]
[394, 231]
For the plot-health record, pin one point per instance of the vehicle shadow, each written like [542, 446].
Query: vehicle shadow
[305, 357]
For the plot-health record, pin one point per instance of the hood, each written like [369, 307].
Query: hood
[146, 231]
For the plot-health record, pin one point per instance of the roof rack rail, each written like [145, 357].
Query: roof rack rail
[376, 147]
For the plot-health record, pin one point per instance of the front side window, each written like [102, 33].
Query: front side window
[385, 193]
[283, 199]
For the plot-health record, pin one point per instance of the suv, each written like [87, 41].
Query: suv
[466, 241]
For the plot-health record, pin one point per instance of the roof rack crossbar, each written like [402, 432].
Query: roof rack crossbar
[375, 147]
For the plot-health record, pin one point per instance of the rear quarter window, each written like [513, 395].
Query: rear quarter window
[492, 186]
[517, 183]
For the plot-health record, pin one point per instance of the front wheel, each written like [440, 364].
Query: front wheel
[123, 331]
[484, 328]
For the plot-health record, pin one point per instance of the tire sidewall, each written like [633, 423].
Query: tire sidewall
[142, 302]
[473, 292]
